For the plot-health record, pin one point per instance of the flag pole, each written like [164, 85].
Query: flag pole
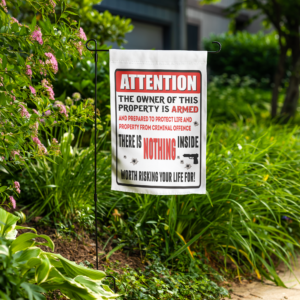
[95, 141]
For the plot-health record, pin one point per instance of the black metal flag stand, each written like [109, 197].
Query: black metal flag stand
[95, 193]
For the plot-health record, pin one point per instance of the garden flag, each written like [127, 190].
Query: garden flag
[158, 121]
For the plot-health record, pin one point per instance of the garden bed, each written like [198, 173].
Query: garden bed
[81, 248]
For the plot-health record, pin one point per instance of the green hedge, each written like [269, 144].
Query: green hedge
[244, 54]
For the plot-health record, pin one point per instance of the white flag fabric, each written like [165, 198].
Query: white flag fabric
[158, 121]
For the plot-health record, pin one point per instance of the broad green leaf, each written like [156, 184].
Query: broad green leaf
[24, 227]
[42, 271]
[33, 262]
[72, 269]
[8, 224]
[96, 287]
[4, 250]
[3, 188]
[24, 241]
[76, 291]
[29, 253]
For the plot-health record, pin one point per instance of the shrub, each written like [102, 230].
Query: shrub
[27, 271]
[82, 79]
[252, 186]
[244, 54]
[232, 98]
[30, 57]
[64, 183]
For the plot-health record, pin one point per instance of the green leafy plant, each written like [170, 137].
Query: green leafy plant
[230, 98]
[252, 182]
[30, 56]
[102, 26]
[64, 184]
[245, 54]
[37, 271]
[159, 282]
[81, 80]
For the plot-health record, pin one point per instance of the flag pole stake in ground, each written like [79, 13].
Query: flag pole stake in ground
[95, 50]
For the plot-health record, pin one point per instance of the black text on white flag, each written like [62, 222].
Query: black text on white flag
[158, 118]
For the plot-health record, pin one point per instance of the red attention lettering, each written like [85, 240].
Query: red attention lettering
[158, 82]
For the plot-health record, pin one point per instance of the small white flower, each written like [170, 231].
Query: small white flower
[239, 146]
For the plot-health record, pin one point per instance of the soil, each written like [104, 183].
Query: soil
[83, 249]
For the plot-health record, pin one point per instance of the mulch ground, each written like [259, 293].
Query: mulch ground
[84, 248]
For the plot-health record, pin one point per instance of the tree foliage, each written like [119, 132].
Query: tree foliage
[283, 16]
[104, 27]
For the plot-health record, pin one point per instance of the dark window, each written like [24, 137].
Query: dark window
[192, 36]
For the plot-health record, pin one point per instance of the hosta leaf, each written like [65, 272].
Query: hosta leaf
[8, 224]
[25, 241]
[4, 250]
[42, 271]
[71, 269]
[96, 287]
[29, 253]
[22, 227]
[33, 262]
[76, 291]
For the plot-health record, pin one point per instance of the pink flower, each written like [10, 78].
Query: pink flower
[47, 113]
[16, 185]
[35, 111]
[14, 153]
[36, 140]
[79, 47]
[24, 112]
[32, 89]
[53, 4]
[14, 20]
[42, 149]
[37, 36]
[3, 4]
[48, 88]
[82, 34]
[13, 201]
[54, 141]
[42, 120]
[52, 62]
[62, 109]
[28, 71]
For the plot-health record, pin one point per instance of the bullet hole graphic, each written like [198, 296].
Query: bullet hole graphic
[125, 156]
[196, 123]
[188, 166]
[178, 157]
[134, 161]
[182, 162]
